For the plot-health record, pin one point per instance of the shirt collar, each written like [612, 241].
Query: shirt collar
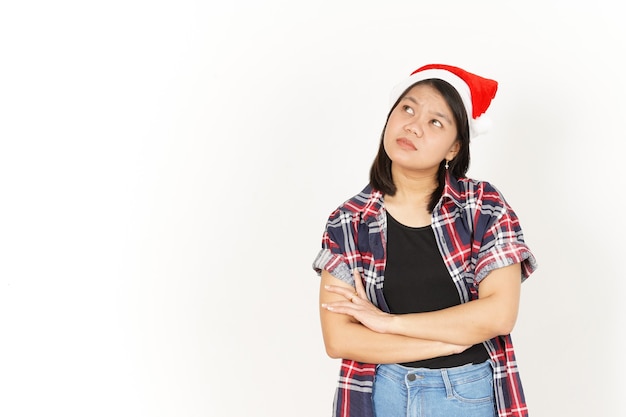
[369, 203]
[452, 190]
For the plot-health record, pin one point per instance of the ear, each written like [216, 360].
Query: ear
[454, 149]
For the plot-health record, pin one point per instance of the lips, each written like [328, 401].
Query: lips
[404, 143]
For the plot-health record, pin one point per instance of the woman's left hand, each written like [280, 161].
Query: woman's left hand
[357, 305]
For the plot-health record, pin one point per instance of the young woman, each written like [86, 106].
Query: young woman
[421, 271]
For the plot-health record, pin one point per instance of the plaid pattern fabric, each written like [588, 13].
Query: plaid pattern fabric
[476, 232]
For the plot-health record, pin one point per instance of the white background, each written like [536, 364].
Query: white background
[167, 167]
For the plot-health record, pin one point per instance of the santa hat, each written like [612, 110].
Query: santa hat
[475, 91]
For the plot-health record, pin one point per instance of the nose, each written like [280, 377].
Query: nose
[414, 128]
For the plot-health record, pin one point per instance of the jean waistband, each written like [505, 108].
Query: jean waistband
[436, 376]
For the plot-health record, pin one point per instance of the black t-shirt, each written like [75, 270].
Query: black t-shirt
[417, 280]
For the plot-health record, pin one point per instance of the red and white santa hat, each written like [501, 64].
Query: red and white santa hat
[475, 91]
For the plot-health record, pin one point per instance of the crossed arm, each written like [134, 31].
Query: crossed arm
[353, 328]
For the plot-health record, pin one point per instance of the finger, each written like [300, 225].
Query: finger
[358, 284]
[346, 292]
[343, 307]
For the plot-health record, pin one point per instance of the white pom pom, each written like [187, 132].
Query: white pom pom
[480, 125]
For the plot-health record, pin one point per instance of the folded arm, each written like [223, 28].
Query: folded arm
[345, 337]
[494, 313]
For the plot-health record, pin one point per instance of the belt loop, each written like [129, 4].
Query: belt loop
[446, 382]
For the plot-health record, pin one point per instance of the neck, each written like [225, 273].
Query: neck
[414, 187]
[409, 205]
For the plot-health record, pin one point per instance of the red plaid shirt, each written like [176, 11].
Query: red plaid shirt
[476, 232]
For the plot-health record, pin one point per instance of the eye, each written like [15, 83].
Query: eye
[408, 109]
[436, 123]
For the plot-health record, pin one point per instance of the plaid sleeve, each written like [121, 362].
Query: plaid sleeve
[338, 254]
[502, 238]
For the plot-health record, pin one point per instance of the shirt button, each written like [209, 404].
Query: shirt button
[411, 377]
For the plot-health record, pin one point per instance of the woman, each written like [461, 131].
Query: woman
[421, 271]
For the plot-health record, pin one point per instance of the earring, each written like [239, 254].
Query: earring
[447, 164]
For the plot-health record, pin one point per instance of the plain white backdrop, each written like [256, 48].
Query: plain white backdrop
[167, 167]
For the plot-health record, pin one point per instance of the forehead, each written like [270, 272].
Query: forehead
[425, 92]
[427, 96]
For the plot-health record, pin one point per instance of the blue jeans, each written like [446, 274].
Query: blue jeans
[464, 391]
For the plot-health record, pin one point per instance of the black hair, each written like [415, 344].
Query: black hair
[380, 172]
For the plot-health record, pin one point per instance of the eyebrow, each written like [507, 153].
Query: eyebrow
[442, 115]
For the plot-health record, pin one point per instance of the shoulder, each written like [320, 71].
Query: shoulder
[366, 203]
[475, 192]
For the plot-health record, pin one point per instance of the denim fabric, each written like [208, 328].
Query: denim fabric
[464, 391]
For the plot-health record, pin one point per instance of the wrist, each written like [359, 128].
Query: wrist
[393, 324]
